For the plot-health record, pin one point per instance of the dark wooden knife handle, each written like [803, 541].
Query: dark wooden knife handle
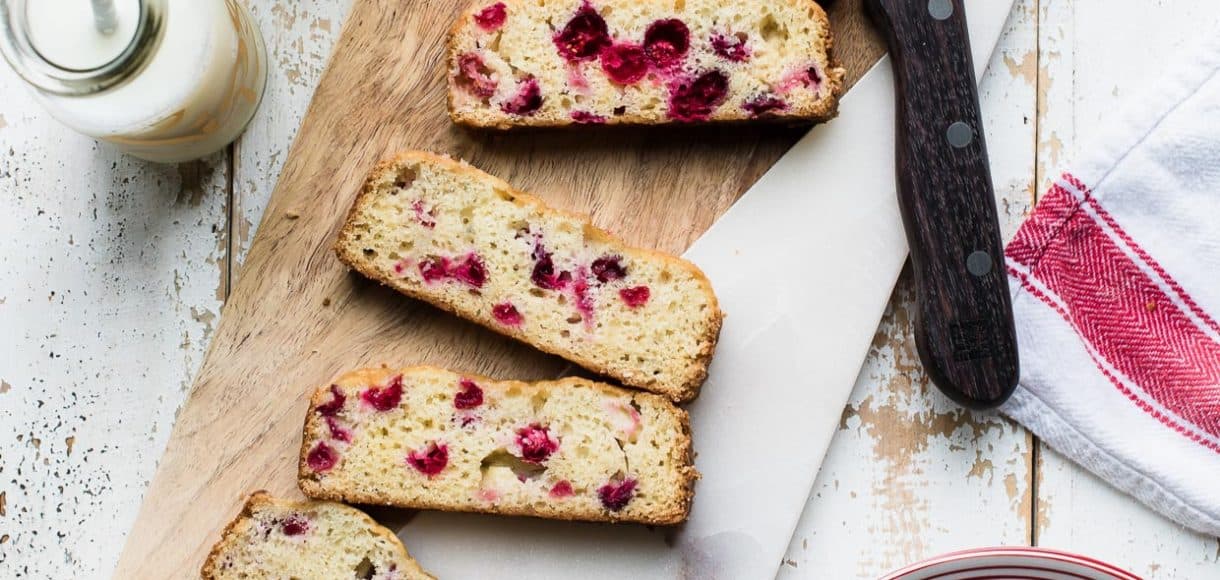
[963, 323]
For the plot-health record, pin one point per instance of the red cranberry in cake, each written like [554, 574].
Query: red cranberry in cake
[430, 460]
[562, 489]
[335, 404]
[528, 99]
[696, 99]
[584, 302]
[543, 275]
[583, 37]
[507, 314]
[469, 397]
[763, 104]
[577, 80]
[615, 495]
[635, 297]
[322, 457]
[808, 76]
[294, 525]
[492, 17]
[425, 217]
[608, 268]
[536, 443]
[587, 118]
[731, 47]
[434, 268]
[384, 398]
[625, 64]
[666, 42]
[813, 78]
[475, 77]
[625, 418]
[471, 271]
[337, 431]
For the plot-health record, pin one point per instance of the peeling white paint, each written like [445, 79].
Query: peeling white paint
[113, 275]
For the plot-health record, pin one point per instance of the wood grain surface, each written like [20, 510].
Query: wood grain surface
[296, 317]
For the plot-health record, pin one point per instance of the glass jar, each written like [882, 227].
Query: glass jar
[164, 80]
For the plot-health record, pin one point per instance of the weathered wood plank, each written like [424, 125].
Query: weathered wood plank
[910, 474]
[299, 36]
[111, 278]
[1088, 55]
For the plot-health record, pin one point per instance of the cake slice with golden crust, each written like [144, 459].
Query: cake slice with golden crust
[547, 63]
[442, 231]
[429, 438]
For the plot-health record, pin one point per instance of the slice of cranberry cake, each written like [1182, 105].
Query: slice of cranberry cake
[561, 62]
[444, 232]
[274, 538]
[429, 438]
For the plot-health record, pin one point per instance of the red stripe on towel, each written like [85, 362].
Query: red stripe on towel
[1143, 255]
[1054, 210]
[1168, 421]
[1122, 312]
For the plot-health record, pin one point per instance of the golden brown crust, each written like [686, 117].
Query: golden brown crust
[682, 455]
[208, 572]
[684, 392]
[824, 109]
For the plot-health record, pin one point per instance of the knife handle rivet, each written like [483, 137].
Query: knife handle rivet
[960, 134]
[940, 9]
[978, 263]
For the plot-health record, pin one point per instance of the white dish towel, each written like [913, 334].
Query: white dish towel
[1116, 292]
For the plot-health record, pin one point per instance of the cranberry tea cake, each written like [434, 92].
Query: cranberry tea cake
[442, 231]
[429, 438]
[561, 62]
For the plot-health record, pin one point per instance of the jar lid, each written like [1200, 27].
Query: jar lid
[68, 56]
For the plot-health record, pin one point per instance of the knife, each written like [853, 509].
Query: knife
[963, 317]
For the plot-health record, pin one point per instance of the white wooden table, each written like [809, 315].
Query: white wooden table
[113, 273]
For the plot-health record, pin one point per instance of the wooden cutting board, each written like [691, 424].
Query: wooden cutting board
[297, 317]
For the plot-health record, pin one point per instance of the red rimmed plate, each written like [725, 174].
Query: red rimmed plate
[1017, 563]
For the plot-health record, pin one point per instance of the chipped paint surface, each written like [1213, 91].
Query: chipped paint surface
[114, 274]
[300, 34]
[909, 473]
[115, 271]
[93, 319]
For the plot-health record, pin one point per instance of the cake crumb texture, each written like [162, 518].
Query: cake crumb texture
[281, 539]
[428, 438]
[444, 232]
[516, 63]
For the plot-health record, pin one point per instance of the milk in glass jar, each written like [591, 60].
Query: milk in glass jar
[164, 80]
